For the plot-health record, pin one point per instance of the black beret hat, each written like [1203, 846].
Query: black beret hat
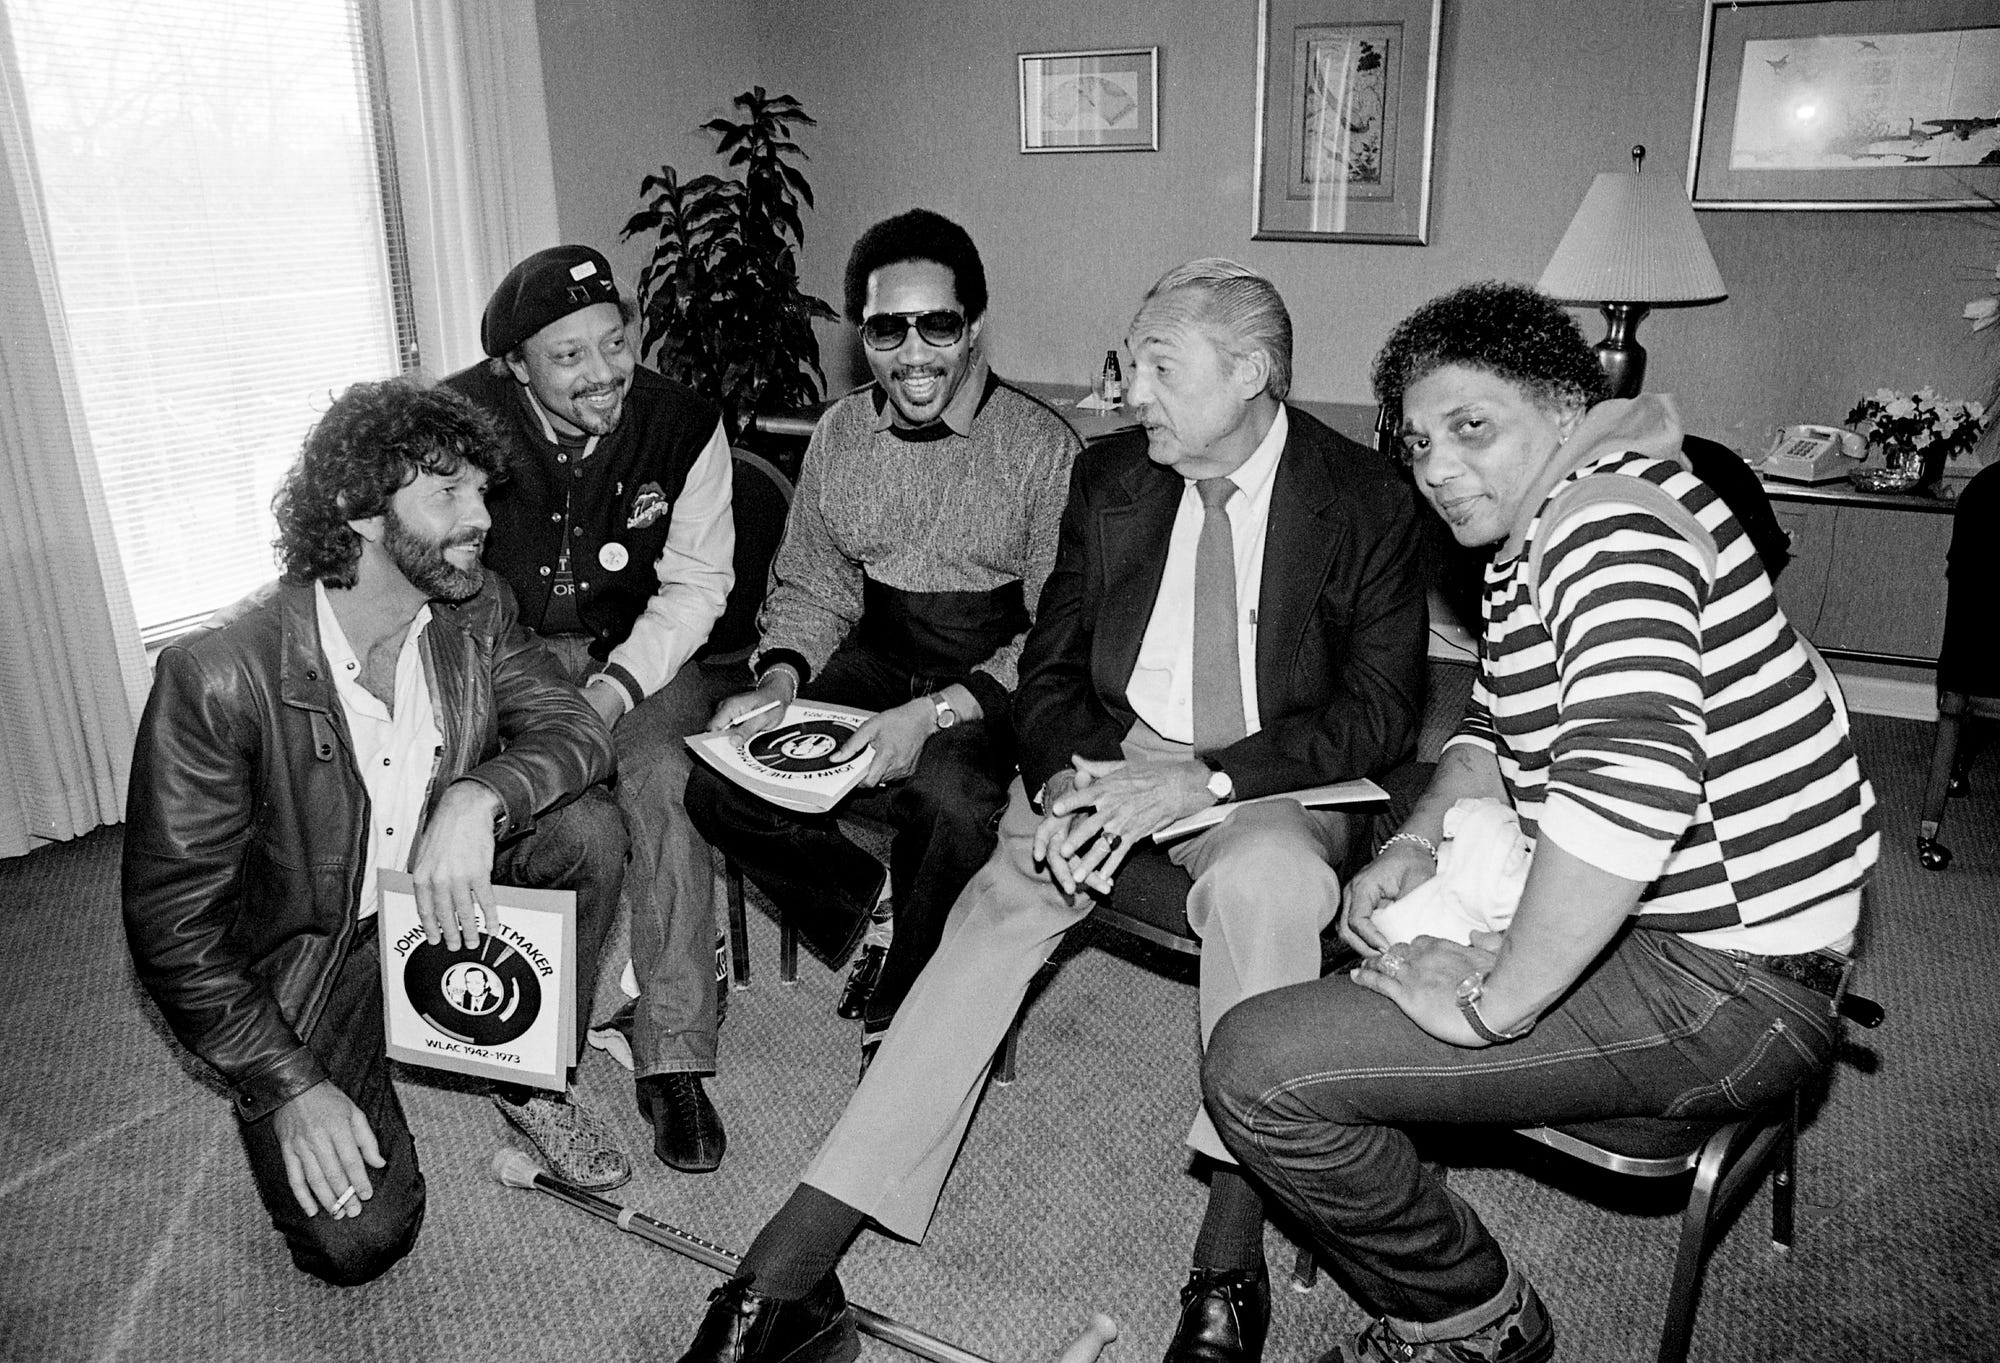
[547, 286]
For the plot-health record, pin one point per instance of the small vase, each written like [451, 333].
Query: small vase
[1918, 469]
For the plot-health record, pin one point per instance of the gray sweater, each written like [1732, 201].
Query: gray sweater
[953, 514]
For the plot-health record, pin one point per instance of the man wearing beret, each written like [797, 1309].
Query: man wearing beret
[615, 533]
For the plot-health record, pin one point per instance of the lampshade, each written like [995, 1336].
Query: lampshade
[1634, 240]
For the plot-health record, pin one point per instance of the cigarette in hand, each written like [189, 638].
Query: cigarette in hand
[345, 1198]
[763, 709]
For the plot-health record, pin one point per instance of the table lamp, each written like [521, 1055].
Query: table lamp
[1633, 244]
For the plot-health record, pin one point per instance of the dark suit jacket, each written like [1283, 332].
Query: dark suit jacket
[1341, 616]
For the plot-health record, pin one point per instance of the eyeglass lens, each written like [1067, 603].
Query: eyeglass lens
[886, 330]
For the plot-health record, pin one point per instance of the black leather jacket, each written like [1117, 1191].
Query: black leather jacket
[247, 823]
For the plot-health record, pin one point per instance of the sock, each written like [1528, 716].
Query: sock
[1232, 1230]
[801, 1244]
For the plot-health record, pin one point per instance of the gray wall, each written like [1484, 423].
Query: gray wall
[917, 104]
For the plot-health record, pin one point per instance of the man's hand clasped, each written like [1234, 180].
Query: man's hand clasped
[1422, 979]
[1095, 812]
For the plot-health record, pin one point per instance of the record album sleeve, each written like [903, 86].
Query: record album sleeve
[504, 1008]
[791, 764]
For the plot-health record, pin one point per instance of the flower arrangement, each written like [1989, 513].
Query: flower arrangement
[1918, 431]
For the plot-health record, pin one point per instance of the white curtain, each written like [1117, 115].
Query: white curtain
[72, 672]
[472, 153]
[477, 190]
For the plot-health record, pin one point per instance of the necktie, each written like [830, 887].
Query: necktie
[1218, 676]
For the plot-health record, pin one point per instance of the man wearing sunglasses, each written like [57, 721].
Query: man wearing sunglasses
[923, 528]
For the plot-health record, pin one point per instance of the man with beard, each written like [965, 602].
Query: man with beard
[615, 534]
[379, 705]
[923, 529]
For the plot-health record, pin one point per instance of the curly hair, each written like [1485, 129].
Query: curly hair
[1505, 329]
[917, 235]
[374, 440]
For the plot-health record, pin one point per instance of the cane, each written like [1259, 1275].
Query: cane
[516, 1170]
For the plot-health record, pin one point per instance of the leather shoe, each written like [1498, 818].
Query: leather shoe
[687, 1132]
[1224, 1317]
[861, 982]
[745, 1326]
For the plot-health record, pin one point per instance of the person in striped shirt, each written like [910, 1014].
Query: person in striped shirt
[1702, 835]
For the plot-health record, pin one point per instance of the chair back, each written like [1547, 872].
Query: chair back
[1969, 661]
[761, 499]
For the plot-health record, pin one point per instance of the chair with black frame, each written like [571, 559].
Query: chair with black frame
[1728, 1160]
[761, 499]
[1968, 677]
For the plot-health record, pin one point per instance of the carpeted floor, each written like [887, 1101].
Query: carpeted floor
[128, 1229]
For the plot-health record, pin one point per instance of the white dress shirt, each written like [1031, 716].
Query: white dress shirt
[1161, 691]
[397, 753]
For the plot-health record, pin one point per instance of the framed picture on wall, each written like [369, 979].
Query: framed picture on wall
[1346, 117]
[1102, 100]
[1847, 104]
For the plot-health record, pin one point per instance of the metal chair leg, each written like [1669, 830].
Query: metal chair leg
[1003, 1060]
[1931, 854]
[1305, 1270]
[739, 924]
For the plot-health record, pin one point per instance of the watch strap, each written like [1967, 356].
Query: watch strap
[1469, 991]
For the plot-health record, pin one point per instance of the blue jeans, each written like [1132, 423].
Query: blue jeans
[579, 847]
[1310, 1086]
[670, 885]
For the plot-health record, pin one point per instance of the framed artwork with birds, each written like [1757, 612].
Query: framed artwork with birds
[1847, 104]
[1346, 106]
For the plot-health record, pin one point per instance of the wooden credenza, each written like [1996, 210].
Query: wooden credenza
[1866, 581]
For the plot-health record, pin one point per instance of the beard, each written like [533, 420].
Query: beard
[421, 559]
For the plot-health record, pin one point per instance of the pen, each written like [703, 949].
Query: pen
[765, 708]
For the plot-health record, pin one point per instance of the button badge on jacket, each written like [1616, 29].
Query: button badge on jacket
[613, 556]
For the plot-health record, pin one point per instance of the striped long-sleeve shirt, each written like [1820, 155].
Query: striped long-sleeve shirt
[1660, 719]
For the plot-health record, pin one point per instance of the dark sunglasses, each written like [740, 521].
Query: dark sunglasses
[886, 330]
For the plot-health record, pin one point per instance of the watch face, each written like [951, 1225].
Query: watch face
[1220, 786]
[946, 716]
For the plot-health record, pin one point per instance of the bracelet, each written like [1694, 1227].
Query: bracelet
[1417, 838]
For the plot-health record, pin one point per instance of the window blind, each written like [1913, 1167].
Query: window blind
[214, 175]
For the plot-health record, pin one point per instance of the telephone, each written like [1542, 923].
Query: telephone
[1813, 454]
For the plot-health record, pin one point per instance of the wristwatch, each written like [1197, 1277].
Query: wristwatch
[1221, 787]
[1470, 990]
[946, 716]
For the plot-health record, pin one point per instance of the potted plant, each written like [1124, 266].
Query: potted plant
[720, 303]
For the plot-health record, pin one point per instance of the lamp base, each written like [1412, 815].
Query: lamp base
[1619, 354]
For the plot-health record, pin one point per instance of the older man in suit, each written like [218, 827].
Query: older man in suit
[1235, 611]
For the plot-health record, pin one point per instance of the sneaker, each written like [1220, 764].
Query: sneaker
[572, 1142]
[1523, 1334]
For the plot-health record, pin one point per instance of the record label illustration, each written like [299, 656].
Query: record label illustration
[485, 995]
[807, 746]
